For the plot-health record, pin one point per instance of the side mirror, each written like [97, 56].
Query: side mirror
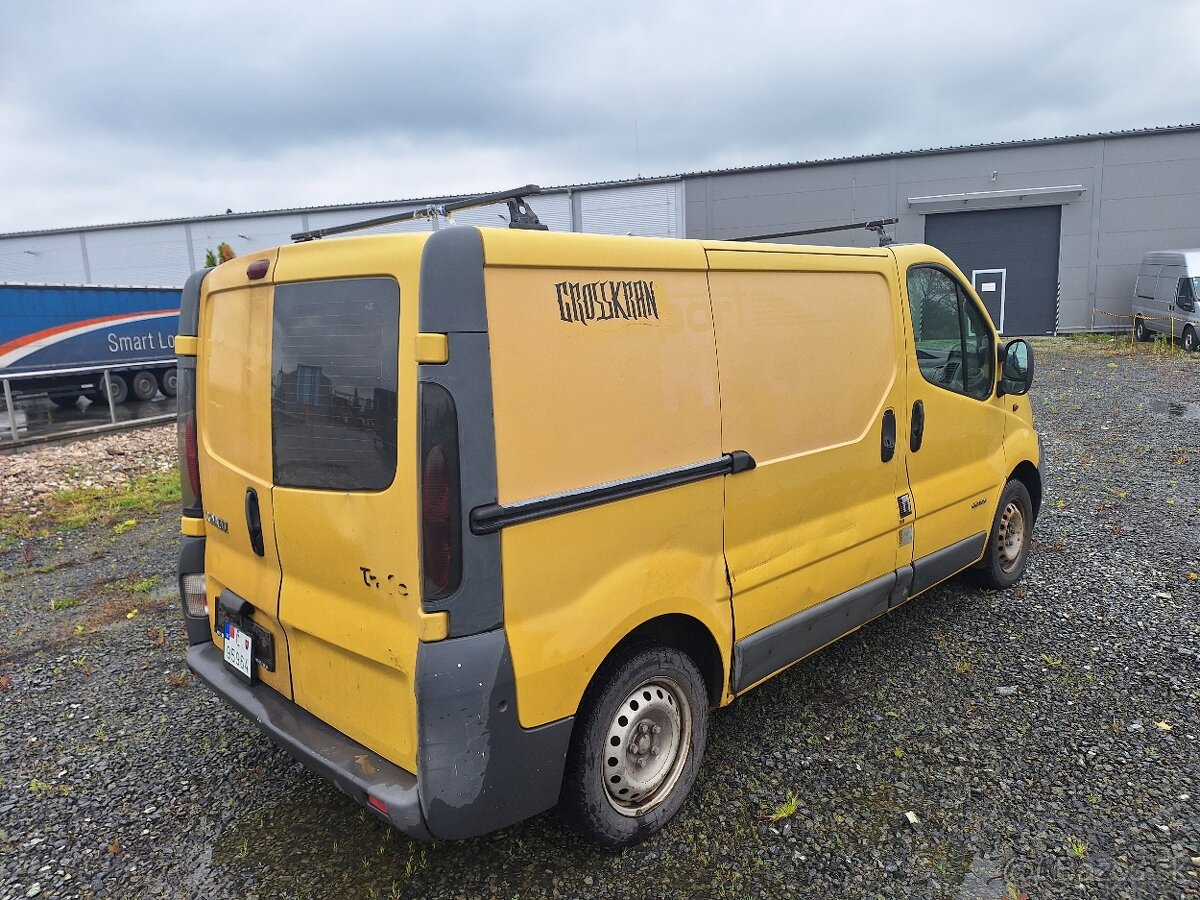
[1017, 376]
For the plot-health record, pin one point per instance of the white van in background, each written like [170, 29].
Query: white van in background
[1164, 296]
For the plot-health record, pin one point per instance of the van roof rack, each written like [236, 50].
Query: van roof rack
[519, 213]
[875, 225]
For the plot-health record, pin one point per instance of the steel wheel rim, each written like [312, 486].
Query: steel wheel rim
[647, 746]
[1010, 538]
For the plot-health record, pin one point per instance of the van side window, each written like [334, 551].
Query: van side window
[1185, 297]
[1146, 281]
[333, 384]
[953, 341]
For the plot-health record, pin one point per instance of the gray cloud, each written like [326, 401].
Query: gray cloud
[138, 109]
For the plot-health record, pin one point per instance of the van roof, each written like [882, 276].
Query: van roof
[1189, 258]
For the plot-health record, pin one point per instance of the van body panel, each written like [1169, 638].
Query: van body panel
[348, 257]
[628, 390]
[233, 411]
[576, 584]
[809, 361]
[504, 247]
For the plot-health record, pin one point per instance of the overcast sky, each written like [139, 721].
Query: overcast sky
[124, 110]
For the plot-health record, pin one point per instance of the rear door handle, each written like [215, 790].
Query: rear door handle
[917, 434]
[254, 522]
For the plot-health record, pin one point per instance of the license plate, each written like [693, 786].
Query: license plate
[239, 651]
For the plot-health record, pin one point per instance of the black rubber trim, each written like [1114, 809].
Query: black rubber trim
[493, 517]
[479, 770]
[790, 640]
[937, 567]
[189, 303]
[191, 562]
[318, 746]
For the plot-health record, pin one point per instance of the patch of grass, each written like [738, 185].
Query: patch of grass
[1077, 847]
[144, 585]
[143, 494]
[786, 809]
[45, 788]
[963, 667]
[122, 527]
[63, 603]
[77, 508]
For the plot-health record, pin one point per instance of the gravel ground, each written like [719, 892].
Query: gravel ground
[1043, 739]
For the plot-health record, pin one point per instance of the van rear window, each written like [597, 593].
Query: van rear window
[333, 384]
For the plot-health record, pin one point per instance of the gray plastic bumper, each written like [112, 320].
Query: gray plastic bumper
[317, 745]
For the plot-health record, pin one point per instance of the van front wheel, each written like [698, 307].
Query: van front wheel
[1007, 550]
[636, 747]
[1189, 339]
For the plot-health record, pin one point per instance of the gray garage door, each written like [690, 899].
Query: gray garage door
[1011, 256]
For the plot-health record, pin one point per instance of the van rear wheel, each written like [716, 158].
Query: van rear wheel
[636, 747]
[1140, 331]
[1007, 550]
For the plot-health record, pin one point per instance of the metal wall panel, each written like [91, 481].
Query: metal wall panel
[43, 259]
[155, 254]
[649, 210]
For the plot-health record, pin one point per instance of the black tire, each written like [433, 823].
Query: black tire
[119, 387]
[615, 749]
[1008, 543]
[144, 386]
[1140, 331]
[167, 379]
[1189, 339]
[65, 401]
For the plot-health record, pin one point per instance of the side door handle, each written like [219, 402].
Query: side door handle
[918, 427]
[254, 522]
[887, 441]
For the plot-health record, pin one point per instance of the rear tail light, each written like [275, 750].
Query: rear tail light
[376, 804]
[195, 595]
[189, 456]
[441, 518]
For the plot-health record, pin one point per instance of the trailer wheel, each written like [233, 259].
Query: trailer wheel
[166, 381]
[118, 385]
[144, 385]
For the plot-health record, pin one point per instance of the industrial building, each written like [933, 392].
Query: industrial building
[1050, 231]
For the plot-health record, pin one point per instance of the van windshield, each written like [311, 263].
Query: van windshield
[333, 384]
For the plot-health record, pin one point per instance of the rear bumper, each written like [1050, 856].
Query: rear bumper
[317, 745]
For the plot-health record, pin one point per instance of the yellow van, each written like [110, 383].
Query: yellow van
[481, 522]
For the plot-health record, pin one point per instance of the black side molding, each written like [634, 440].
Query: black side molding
[492, 517]
[790, 640]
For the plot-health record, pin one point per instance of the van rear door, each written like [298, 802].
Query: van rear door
[233, 414]
[342, 415]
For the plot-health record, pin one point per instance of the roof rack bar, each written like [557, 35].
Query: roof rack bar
[875, 225]
[425, 212]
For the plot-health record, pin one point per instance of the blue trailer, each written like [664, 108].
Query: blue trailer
[60, 339]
